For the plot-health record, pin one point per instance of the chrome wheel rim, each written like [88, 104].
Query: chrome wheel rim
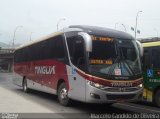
[63, 94]
[25, 86]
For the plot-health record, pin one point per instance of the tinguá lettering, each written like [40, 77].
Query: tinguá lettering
[121, 84]
[45, 70]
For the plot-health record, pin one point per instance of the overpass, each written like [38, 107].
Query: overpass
[6, 59]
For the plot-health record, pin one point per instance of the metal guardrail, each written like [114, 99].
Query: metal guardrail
[6, 51]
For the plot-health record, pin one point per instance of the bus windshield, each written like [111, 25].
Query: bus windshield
[114, 57]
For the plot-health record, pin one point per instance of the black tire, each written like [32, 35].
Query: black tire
[63, 95]
[25, 87]
[157, 98]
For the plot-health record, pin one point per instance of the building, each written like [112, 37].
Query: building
[6, 57]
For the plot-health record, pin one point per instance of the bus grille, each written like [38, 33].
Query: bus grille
[117, 97]
[119, 89]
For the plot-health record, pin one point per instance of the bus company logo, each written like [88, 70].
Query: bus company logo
[121, 84]
[45, 70]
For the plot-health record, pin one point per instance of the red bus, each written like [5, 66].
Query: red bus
[85, 63]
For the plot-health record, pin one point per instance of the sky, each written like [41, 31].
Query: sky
[39, 18]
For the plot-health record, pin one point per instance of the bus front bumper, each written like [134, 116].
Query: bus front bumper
[95, 95]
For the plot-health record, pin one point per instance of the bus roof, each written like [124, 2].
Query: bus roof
[49, 36]
[103, 31]
[151, 44]
[39, 40]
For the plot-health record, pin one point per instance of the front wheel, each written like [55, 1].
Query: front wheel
[157, 98]
[63, 95]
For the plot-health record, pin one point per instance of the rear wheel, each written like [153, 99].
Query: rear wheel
[157, 98]
[63, 95]
[25, 88]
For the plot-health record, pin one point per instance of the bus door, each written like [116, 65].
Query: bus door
[147, 68]
[77, 56]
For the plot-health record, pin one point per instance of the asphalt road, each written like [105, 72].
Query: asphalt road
[14, 100]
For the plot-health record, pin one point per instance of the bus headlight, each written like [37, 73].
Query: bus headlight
[96, 85]
[140, 85]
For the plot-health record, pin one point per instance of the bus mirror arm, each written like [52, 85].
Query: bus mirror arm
[140, 48]
[88, 41]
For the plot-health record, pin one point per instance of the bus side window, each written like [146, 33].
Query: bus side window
[52, 48]
[78, 55]
[155, 58]
[76, 50]
[146, 62]
[59, 48]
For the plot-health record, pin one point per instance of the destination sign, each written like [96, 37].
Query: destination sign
[97, 61]
[102, 38]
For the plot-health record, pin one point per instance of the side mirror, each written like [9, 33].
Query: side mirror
[88, 41]
[140, 48]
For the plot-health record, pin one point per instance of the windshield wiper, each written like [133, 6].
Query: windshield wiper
[116, 60]
[128, 67]
[113, 65]
[101, 73]
[123, 60]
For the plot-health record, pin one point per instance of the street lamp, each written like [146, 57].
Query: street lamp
[15, 34]
[31, 35]
[116, 25]
[156, 32]
[136, 23]
[63, 19]
[124, 27]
